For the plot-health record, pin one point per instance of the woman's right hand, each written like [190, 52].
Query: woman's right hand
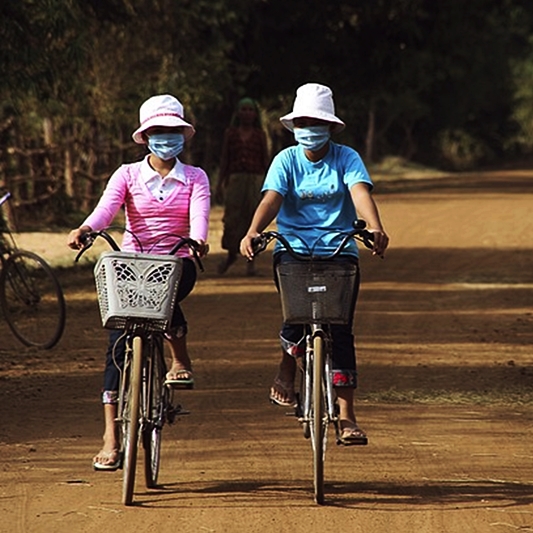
[74, 237]
[246, 247]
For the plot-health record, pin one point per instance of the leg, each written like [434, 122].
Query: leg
[226, 263]
[108, 457]
[345, 382]
[250, 268]
[282, 390]
[292, 343]
[351, 433]
[180, 372]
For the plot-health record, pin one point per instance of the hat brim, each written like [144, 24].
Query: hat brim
[288, 120]
[166, 122]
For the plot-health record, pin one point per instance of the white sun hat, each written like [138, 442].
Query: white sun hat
[162, 110]
[314, 101]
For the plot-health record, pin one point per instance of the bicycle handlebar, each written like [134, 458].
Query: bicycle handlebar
[359, 233]
[90, 237]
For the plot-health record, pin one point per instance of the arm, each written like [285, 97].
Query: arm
[367, 209]
[265, 213]
[199, 211]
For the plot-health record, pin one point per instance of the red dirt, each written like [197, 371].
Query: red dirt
[444, 328]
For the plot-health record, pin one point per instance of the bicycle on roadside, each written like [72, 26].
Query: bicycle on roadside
[317, 291]
[137, 294]
[31, 297]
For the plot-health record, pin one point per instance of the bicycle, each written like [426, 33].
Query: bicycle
[136, 293]
[317, 292]
[30, 294]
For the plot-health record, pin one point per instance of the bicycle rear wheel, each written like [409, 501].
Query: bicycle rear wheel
[317, 422]
[155, 411]
[130, 419]
[32, 300]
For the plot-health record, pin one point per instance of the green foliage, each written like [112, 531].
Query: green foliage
[442, 80]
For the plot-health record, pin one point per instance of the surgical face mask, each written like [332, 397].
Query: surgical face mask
[313, 137]
[166, 145]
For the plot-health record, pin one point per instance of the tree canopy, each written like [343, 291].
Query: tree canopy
[441, 81]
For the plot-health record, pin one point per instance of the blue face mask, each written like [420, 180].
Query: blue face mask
[166, 145]
[313, 137]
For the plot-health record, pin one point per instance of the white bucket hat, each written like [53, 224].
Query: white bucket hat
[161, 110]
[314, 101]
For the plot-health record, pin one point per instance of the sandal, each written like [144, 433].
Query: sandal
[352, 435]
[180, 378]
[107, 461]
[282, 395]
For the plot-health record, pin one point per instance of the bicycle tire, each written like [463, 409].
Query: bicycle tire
[318, 426]
[32, 300]
[155, 410]
[306, 382]
[130, 420]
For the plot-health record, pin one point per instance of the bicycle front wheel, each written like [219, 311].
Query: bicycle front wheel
[157, 400]
[32, 300]
[318, 424]
[130, 419]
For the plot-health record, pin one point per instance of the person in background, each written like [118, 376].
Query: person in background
[243, 165]
[313, 188]
[161, 196]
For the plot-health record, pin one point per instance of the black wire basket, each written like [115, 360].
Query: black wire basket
[315, 292]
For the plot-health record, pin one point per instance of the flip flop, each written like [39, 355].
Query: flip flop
[277, 387]
[181, 378]
[353, 436]
[108, 467]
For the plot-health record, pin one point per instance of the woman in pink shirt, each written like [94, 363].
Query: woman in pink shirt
[161, 196]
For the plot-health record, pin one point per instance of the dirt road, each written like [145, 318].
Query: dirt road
[444, 327]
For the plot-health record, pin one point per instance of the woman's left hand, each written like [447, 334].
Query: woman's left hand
[202, 250]
[381, 241]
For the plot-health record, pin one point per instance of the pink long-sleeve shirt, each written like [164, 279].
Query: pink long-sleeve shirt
[184, 212]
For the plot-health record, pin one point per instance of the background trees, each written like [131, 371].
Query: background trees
[441, 81]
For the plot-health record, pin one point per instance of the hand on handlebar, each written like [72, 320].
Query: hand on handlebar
[75, 237]
[247, 247]
[381, 241]
[202, 249]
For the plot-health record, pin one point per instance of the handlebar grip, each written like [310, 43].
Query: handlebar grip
[368, 239]
[259, 244]
[87, 240]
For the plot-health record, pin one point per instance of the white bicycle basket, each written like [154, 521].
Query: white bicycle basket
[135, 288]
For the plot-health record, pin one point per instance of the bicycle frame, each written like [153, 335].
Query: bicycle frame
[145, 403]
[317, 407]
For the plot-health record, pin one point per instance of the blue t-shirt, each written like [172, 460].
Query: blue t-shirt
[316, 197]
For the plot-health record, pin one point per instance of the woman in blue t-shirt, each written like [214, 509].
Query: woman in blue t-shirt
[315, 187]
